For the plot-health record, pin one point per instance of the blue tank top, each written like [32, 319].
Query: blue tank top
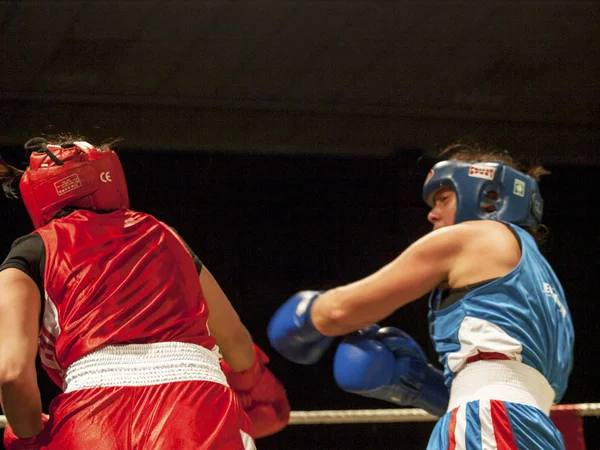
[522, 316]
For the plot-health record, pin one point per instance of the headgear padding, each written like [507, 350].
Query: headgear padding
[79, 175]
[518, 196]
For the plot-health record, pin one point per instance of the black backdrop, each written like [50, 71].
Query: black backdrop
[268, 226]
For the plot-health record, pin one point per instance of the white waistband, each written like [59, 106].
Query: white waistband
[144, 365]
[509, 381]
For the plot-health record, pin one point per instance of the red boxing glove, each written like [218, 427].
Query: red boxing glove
[14, 442]
[262, 396]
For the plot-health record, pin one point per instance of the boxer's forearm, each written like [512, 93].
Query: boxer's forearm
[237, 349]
[233, 339]
[22, 404]
[348, 308]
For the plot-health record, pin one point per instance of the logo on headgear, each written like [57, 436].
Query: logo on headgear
[481, 171]
[519, 188]
[67, 184]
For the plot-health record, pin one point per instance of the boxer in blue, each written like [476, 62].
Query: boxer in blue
[498, 316]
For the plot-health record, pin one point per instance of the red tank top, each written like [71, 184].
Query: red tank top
[117, 278]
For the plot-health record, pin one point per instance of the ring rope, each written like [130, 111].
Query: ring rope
[401, 415]
[360, 416]
[389, 415]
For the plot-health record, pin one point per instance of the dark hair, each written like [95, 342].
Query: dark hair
[68, 138]
[9, 177]
[460, 151]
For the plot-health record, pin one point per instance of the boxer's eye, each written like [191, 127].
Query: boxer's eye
[443, 196]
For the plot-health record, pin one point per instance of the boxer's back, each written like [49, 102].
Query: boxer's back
[117, 278]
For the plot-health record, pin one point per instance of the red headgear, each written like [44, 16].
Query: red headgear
[78, 175]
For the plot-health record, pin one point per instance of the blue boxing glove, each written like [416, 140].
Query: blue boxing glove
[292, 333]
[387, 364]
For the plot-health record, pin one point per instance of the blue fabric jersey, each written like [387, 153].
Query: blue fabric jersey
[522, 315]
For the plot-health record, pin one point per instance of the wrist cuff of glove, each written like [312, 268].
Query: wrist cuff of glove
[308, 323]
[246, 379]
[11, 440]
[434, 395]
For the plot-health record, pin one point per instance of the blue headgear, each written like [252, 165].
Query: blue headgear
[519, 200]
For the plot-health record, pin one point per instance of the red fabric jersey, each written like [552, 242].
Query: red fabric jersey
[117, 278]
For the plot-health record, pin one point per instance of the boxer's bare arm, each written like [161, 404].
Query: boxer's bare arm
[453, 256]
[19, 316]
[224, 324]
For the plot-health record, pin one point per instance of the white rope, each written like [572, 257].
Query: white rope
[588, 409]
[397, 415]
[385, 415]
[360, 416]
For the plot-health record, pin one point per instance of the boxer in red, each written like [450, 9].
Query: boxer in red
[125, 309]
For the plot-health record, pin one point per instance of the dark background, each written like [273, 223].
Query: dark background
[288, 140]
[267, 226]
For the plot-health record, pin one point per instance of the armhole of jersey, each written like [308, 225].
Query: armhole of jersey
[42, 286]
[42, 274]
[42, 265]
[451, 296]
[197, 261]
